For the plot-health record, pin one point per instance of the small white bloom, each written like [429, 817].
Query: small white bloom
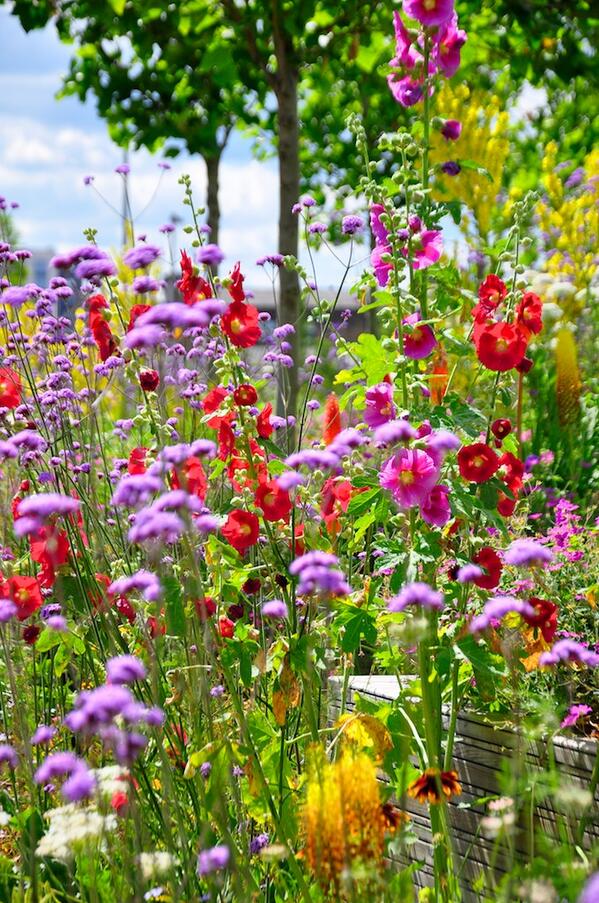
[153, 865]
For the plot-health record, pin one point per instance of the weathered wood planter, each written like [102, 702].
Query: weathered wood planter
[480, 754]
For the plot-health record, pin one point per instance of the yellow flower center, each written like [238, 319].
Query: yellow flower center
[406, 477]
[430, 4]
[236, 326]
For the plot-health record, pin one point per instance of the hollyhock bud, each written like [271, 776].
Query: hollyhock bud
[501, 428]
[451, 129]
[30, 634]
[525, 365]
[451, 168]
[148, 380]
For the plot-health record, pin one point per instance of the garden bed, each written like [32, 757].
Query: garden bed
[481, 752]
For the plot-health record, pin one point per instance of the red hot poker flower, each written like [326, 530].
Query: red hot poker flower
[236, 287]
[273, 500]
[477, 462]
[240, 324]
[545, 618]
[241, 530]
[529, 312]
[500, 347]
[488, 559]
[10, 388]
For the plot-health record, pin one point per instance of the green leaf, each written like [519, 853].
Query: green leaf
[358, 623]
[476, 167]
[173, 604]
[118, 6]
[488, 668]
[363, 501]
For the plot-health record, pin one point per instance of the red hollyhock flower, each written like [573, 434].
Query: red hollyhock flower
[263, 424]
[226, 628]
[236, 288]
[501, 428]
[477, 462]
[245, 395]
[194, 478]
[506, 505]
[10, 388]
[125, 608]
[239, 469]
[149, 380]
[529, 312]
[156, 626]
[511, 471]
[25, 593]
[212, 402]
[135, 313]
[205, 608]
[192, 287]
[137, 460]
[119, 801]
[500, 347]
[332, 419]
[31, 633]
[226, 440]
[336, 495]
[273, 500]
[488, 559]
[241, 530]
[240, 324]
[251, 586]
[545, 618]
[50, 548]
[99, 327]
[492, 290]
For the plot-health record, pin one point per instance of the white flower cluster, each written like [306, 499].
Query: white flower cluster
[153, 865]
[111, 779]
[72, 827]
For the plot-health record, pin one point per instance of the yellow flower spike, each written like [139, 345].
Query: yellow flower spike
[344, 824]
[568, 378]
[482, 140]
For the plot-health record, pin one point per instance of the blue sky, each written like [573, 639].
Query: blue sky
[47, 146]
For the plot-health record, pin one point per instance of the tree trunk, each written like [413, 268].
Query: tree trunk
[212, 204]
[289, 188]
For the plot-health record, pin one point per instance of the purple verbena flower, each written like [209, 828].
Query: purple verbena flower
[417, 593]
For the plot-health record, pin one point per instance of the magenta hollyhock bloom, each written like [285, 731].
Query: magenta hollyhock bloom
[379, 405]
[426, 249]
[419, 340]
[429, 12]
[574, 713]
[435, 509]
[406, 90]
[409, 475]
[381, 268]
[448, 45]
[404, 55]
[380, 232]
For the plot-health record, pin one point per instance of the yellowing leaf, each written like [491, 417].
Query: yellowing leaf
[364, 732]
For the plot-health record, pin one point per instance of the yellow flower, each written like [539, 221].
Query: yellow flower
[362, 731]
[569, 218]
[482, 140]
[344, 823]
[567, 385]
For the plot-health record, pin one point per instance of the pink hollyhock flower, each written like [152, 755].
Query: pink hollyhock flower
[380, 267]
[429, 12]
[448, 45]
[426, 248]
[380, 232]
[406, 90]
[409, 475]
[418, 341]
[435, 509]
[574, 713]
[404, 54]
[379, 405]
